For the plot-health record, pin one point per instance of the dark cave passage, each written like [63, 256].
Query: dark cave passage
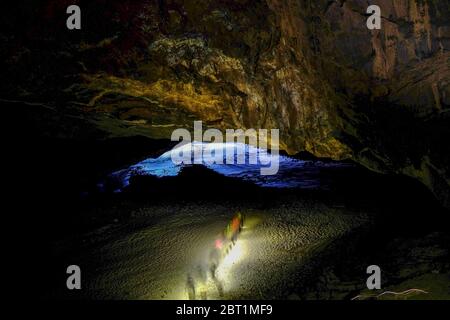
[303, 235]
[360, 116]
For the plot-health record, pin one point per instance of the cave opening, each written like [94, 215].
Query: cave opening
[370, 216]
[93, 109]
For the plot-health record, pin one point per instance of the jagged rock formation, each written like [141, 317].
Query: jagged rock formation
[310, 68]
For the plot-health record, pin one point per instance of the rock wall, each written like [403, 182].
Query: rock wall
[310, 68]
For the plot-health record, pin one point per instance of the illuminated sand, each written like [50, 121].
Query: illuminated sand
[152, 261]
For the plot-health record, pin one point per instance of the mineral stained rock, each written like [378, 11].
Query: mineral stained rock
[310, 68]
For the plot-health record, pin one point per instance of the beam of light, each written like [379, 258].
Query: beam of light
[230, 261]
[225, 274]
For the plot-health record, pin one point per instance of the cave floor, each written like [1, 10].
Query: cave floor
[293, 248]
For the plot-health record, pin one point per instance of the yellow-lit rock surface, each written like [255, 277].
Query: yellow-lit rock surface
[310, 68]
